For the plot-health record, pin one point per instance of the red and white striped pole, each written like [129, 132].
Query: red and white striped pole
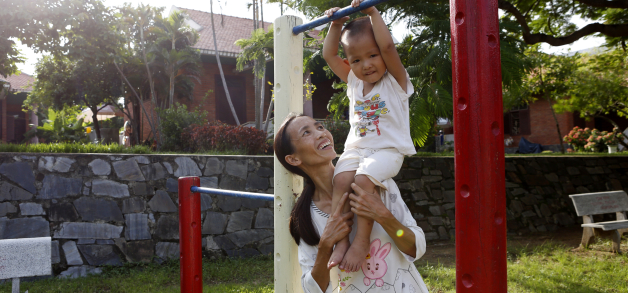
[190, 237]
[479, 148]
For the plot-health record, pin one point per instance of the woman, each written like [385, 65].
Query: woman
[305, 147]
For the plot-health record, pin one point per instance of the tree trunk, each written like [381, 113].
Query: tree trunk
[171, 93]
[258, 98]
[261, 102]
[150, 122]
[152, 88]
[560, 136]
[222, 74]
[270, 110]
[96, 124]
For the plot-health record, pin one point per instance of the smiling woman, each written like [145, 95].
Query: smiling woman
[304, 147]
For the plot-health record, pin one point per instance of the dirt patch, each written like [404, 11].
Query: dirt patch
[444, 252]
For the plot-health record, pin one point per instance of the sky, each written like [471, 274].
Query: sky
[271, 11]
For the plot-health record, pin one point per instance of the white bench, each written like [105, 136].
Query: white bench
[25, 257]
[589, 204]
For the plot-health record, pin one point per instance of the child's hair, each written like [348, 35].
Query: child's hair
[354, 28]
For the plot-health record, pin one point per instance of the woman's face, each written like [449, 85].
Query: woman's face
[313, 144]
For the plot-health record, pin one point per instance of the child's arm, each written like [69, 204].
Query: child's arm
[386, 45]
[330, 47]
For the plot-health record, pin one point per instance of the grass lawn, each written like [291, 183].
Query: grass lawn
[550, 267]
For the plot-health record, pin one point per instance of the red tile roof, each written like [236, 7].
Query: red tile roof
[229, 29]
[20, 83]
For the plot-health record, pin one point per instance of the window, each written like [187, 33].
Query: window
[517, 121]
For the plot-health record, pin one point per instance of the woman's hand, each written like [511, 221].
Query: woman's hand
[367, 205]
[370, 205]
[338, 225]
[331, 11]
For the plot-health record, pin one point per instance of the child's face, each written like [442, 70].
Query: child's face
[365, 58]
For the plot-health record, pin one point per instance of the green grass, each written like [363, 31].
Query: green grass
[253, 275]
[546, 268]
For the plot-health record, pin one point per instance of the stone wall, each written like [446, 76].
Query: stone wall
[537, 190]
[111, 209]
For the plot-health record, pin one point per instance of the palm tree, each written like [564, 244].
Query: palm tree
[177, 36]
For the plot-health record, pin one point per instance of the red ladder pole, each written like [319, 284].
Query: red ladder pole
[190, 236]
[479, 148]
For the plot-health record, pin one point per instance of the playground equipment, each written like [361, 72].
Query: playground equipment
[479, 154]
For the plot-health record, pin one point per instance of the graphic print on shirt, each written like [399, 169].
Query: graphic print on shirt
[369, 112]
[375, 266]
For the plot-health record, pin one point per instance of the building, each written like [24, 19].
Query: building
[209, 94]
[13, 120]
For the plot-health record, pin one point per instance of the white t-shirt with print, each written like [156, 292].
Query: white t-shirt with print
[381, 119]
[387, 268]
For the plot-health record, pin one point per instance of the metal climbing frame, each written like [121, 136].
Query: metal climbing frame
[479, 154]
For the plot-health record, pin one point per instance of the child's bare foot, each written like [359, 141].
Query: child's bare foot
[338, 254]
[355, 256]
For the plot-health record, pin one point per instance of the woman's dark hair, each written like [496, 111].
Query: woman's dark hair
[301, 226]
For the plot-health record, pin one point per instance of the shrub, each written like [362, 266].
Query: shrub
[578, 138]
[339, 130]
[595, 143]
[173, 123]
[613, 138]
[218, 136]
[71, 148]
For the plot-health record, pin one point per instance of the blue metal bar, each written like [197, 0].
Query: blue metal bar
[339, 14]
[251, 195]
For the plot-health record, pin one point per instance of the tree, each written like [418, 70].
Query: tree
[173, 50]
[549, 78]
[62, 82]
[37, 24]
[257, 49]
[598, 87]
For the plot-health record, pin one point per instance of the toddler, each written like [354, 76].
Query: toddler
[378, 87]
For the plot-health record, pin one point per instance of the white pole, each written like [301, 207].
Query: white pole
[288, 98]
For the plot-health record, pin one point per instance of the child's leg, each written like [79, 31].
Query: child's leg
[342, 184]
[356, 254]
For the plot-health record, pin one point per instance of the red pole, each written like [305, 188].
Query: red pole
[190, 236]
[479, 148]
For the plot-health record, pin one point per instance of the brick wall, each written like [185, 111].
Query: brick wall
[208, 83]
[543, 127]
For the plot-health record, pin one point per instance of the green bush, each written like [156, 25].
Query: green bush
[71, 148]
[59, 126]
[339, 130]
[174, 121]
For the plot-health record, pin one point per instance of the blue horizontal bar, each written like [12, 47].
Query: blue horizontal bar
[251, 195]
[339, 14]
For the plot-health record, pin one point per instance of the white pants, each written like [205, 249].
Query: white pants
[377, 164]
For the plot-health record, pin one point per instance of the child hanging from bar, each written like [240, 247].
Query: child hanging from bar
[378, 87]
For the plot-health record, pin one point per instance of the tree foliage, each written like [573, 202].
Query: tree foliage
[598, 86]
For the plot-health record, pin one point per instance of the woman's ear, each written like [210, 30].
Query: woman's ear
[293, 160]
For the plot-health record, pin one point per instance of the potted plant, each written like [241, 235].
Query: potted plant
[611, 139]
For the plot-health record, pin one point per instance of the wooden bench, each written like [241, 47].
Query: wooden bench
[589, 204]
[25, 257]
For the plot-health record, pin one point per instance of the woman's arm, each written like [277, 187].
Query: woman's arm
[338, 226]
[370, 205]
